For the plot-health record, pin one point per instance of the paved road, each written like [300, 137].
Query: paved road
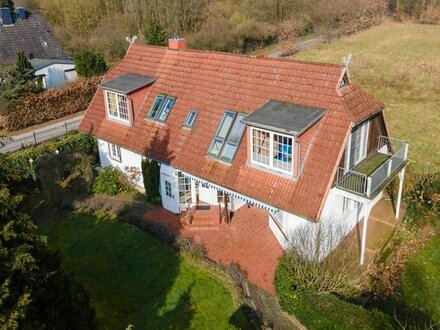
[42, 134]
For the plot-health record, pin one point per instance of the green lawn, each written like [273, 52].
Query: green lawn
[421, 281]
[399, 64]
[133, 278]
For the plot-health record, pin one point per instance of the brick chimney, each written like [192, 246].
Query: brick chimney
[176, 43]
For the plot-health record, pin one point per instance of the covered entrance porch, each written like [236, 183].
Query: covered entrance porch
[205, 204]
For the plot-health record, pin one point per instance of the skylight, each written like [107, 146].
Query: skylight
[227, 138]
[190, 119]
[161, 108]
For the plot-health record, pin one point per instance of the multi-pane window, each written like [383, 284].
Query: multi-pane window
[190, 119]
[161, 108]
[117, 106]
[115, 152]
[168, 190]
[184, 189]
[228, 136]
[358, 144]
[272, 150]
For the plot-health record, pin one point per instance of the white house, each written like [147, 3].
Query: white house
[294, 138]
[54, 72]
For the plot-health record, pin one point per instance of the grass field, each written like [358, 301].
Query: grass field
[421, 281]
[399, 64]
[134, 279]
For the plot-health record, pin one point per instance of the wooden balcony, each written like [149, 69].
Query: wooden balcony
[374, 173]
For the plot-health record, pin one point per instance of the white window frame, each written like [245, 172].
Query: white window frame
[271, 151]
[168, 189]
[365, 128]
[115, 152]
[190, 119]
[161, 114]
[118, 110]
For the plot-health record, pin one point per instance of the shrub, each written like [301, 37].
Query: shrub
[190, 247]
[108, 182]
[34, 109]
[313, 265]
[16, 166]
[151, 175]
[423, 198]
[89, 64]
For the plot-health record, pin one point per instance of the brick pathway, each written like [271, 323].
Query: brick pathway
[247, 241]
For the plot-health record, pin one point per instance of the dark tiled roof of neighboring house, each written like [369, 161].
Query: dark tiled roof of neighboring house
[39, 63]
[212, 82]
[33, 35]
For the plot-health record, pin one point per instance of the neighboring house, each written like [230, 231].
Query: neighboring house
[29, 32]
[295, 138]
[54, 73]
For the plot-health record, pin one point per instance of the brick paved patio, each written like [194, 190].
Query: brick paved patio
[247, 241]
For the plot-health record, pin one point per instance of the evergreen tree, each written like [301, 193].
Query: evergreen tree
[35, 293]
[7, 3]
[88, 64]
[154, 33]
[17, 81]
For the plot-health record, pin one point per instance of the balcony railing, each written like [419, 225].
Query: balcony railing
[373, 172]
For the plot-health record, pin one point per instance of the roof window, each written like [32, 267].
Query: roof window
[161, 108]
[190, 119]
[228, 137]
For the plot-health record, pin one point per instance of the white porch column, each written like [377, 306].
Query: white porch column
[364, 232]
[193, 192]
[399, 196]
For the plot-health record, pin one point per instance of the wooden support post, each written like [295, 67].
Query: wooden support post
[35, 137]
[364, 233]
[399, 196]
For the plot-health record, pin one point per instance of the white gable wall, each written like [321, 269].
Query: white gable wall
[128, 158]
[54, 75]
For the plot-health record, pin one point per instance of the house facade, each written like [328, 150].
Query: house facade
[54, 73]
[295, 138]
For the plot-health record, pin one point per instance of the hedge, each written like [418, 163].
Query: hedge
[16, 166]
[38, 108]
[324, 310]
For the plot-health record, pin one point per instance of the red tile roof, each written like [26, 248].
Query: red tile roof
[212, 82]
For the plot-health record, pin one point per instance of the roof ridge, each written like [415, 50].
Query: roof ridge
[279, 59]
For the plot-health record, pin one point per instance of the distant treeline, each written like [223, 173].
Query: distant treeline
[226, 25]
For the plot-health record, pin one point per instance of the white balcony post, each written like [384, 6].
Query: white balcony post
[364, 232]
[399, 196]
[368, 186]
[193, 192]
[390, 163]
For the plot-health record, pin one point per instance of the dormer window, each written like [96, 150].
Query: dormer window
[161, 107]
[228, 137]
[116, 93]
[275, 131]
[117, 106]
[272, 150]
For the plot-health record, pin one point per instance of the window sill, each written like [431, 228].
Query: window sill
[119, 121]
[274, 172]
